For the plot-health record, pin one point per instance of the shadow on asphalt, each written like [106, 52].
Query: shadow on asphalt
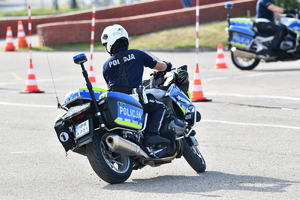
[205, 182]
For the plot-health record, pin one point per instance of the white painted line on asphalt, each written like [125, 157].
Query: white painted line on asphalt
[27, 105]
[18, 152]
[11, 83]
[216, 78]
[40, 80]
[235, 77]
[254, 96]
[251, 124]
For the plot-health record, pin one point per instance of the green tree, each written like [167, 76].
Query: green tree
[55, 4]
[73, 4]
[287, 3]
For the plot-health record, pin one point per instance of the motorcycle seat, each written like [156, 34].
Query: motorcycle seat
[262, 34]
[259, 33]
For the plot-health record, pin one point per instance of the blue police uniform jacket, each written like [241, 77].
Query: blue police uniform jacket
[135, 60]
[262, 10]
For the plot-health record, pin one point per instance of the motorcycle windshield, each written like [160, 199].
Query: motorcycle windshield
[291, 23]
[179, 98]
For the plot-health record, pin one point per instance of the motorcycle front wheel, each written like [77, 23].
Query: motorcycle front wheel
[109, 166]
[244, 63]
[193, 156]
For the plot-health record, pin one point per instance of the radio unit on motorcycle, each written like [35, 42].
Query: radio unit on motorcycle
[121, 110]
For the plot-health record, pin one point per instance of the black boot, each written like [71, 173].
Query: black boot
[266, 54]
[154, 139]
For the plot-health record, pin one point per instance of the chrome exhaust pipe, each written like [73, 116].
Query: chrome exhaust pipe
[243, 54]
[118, 144]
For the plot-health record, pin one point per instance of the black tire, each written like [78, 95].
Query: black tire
[110, 167]
[193, 156]
[244, 63]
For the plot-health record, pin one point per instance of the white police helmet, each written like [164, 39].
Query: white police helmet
[112, 35]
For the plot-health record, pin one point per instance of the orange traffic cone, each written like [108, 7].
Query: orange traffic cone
[220, 63]
[9, 46]
[31, 85]
[22, 43]
[92, 77]
[197, 92]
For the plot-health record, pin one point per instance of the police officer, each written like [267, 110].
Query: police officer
[123, 72]
[266, 13]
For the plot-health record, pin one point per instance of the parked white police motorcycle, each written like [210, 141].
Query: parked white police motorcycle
[245, 41]
[108, 127]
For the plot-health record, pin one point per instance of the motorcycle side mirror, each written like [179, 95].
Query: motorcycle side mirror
[230, 5]
[184, 68]
[80, 58]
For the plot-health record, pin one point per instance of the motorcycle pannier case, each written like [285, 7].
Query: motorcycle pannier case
[121, 111]
[64, 134]
[241, 32]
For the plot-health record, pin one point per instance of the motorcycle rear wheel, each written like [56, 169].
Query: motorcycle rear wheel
[244, 63]
[109, 166]
[193, 156]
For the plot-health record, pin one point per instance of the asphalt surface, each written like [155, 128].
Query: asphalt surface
[249, 134]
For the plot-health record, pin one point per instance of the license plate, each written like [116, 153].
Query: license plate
[82, 128]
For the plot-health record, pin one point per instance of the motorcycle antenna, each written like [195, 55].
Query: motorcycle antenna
[58, 104]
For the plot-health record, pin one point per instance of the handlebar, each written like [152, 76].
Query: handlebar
[160, 73]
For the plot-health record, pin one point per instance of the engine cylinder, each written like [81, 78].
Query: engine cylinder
[174, 126]
[286, 45]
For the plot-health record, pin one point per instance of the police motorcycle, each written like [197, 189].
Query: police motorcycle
[108, 127]
[245, 41]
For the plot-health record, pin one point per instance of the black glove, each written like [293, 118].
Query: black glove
[290, 11]
[169, 66]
